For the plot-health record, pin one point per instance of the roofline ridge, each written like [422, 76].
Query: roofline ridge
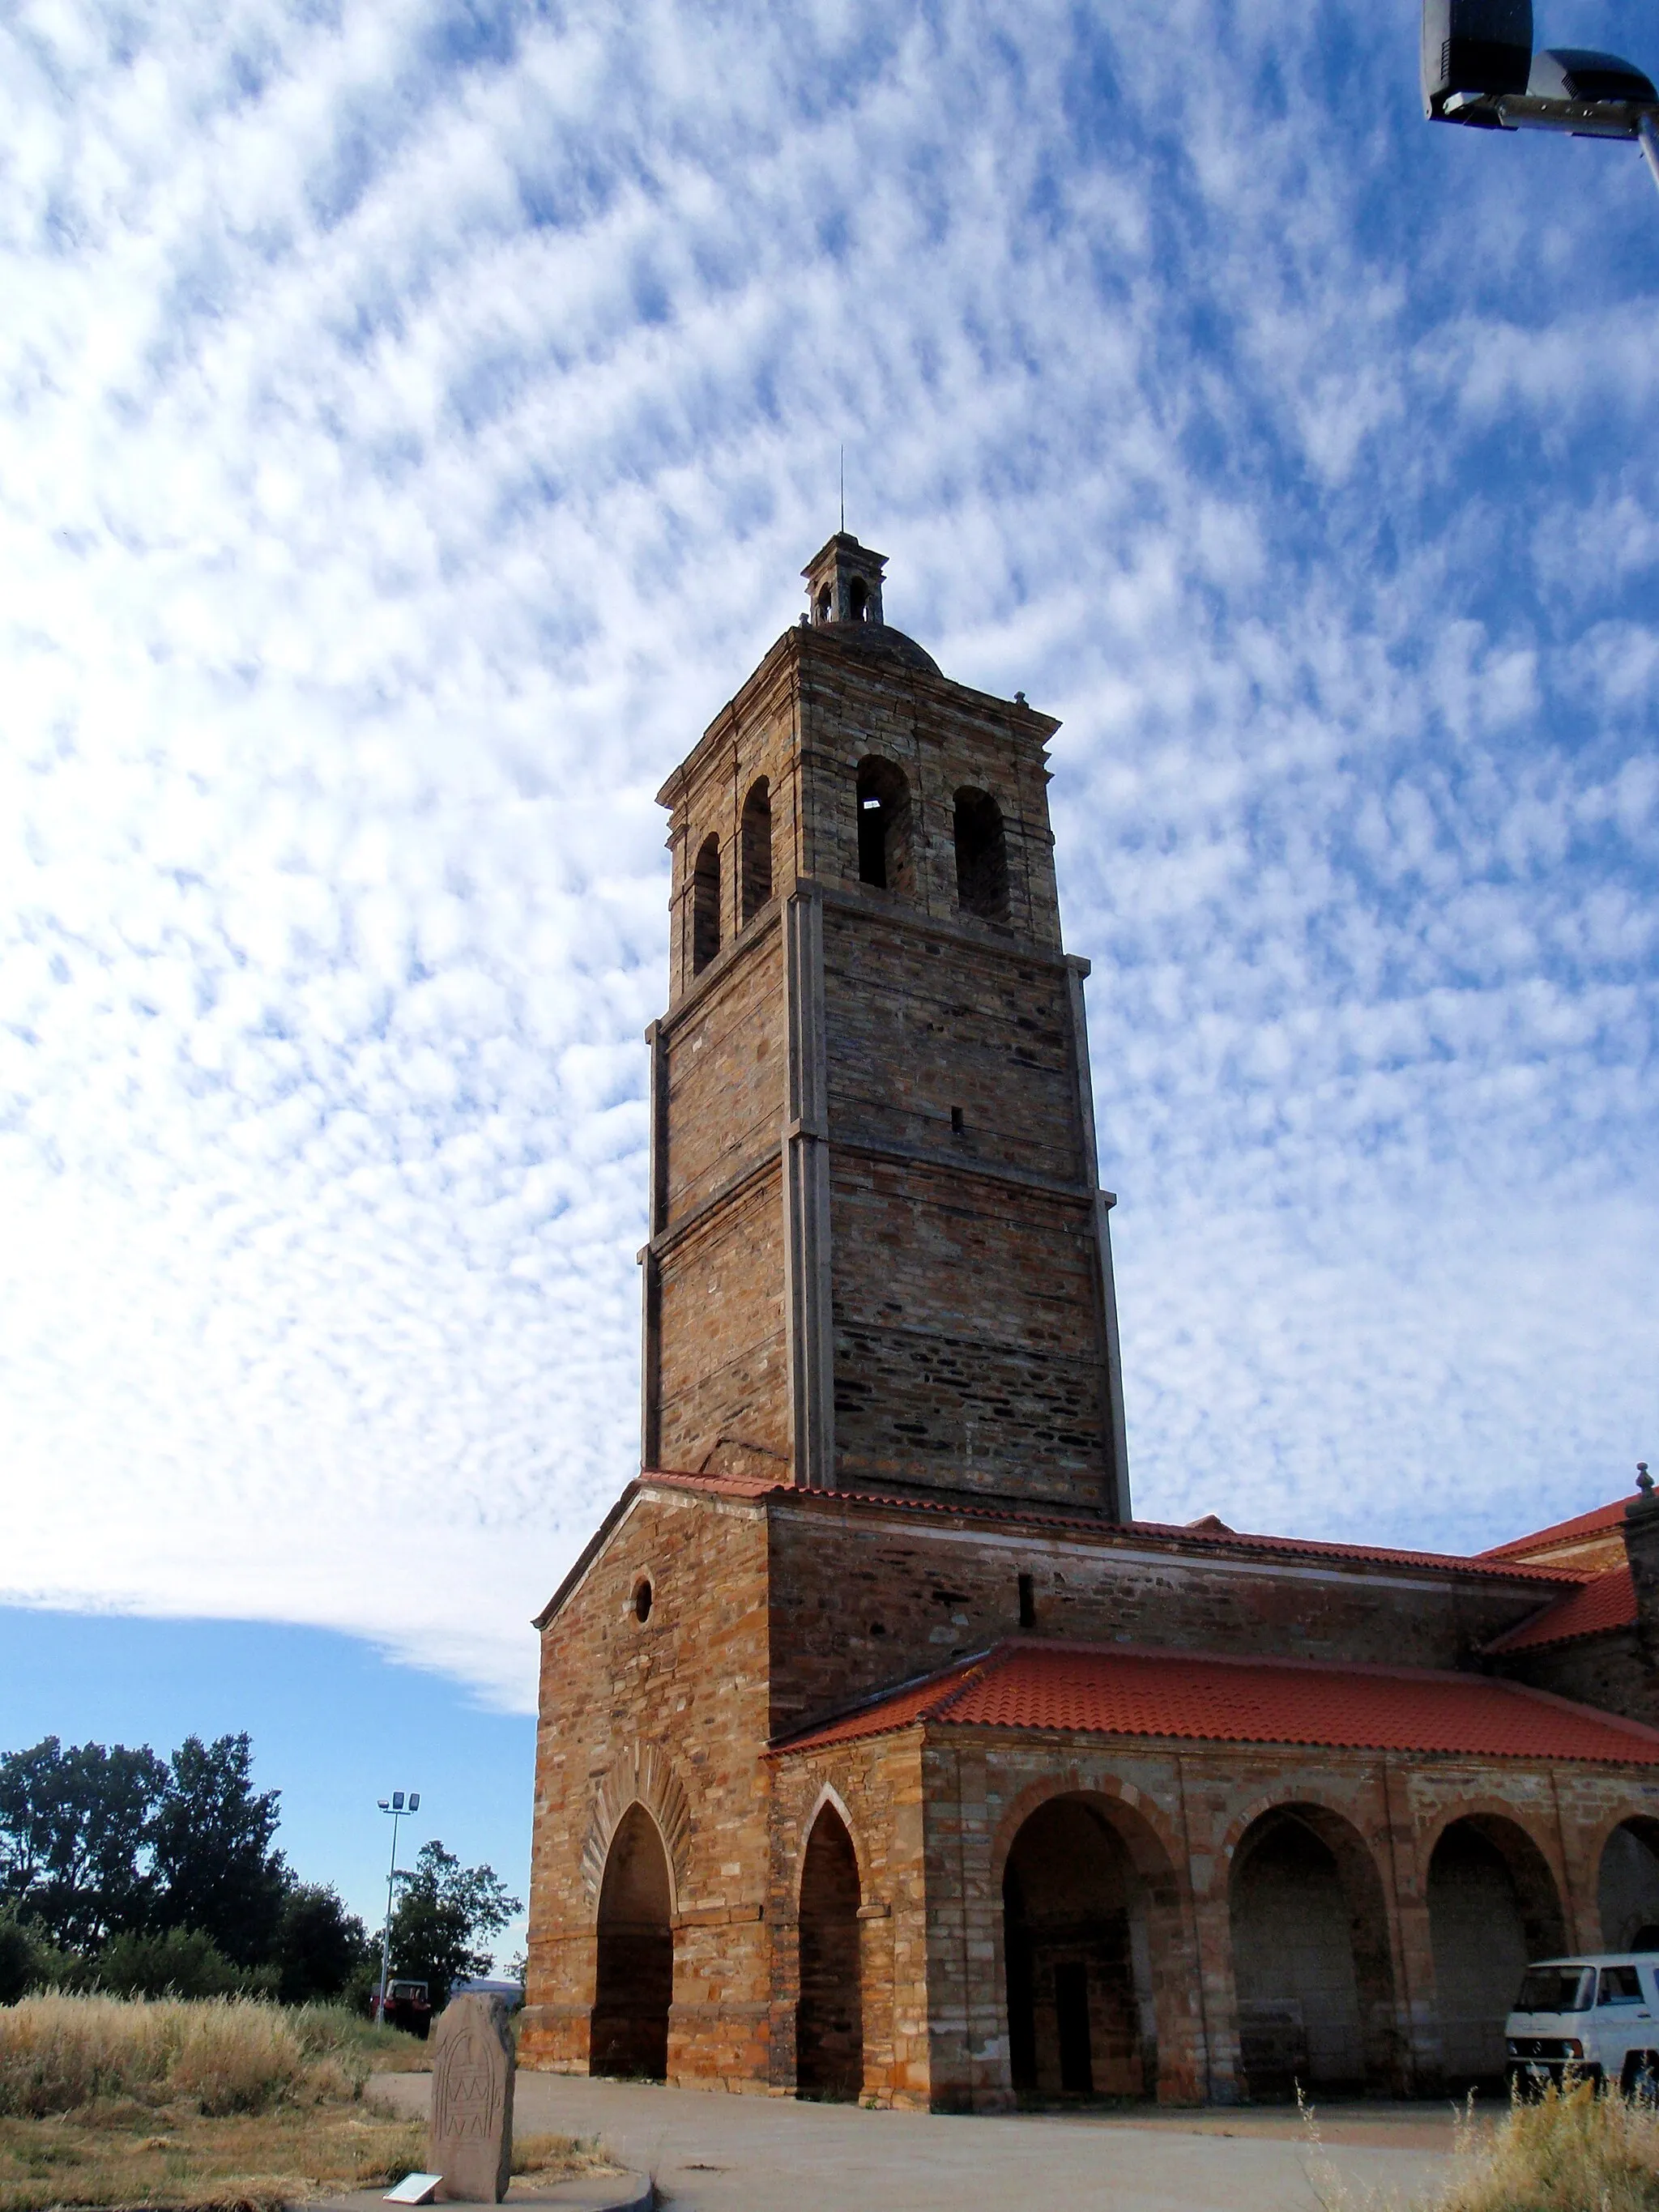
[1040, 1513]
[1517, 1638]
[1610, 1516]
[1290, 1660]
[936, 1712]
[960, 1668]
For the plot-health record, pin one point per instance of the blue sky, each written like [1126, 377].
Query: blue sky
[335, 1727]
[413, 418]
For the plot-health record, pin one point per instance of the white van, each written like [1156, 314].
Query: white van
[1598, 2016]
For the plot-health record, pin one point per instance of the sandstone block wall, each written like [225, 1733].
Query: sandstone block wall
[865, 1598]
[722, 1384]
[670, 1711]
[945, 736]
[1613, 1671]
[877, 1790]
[1182, 1816]
[724, 1078]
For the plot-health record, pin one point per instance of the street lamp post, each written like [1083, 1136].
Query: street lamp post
[396, 1806]
[1480, 69]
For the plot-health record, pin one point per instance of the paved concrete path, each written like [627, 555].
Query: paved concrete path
[724, 2153]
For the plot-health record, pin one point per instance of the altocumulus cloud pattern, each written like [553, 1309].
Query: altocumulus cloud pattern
[412, 418]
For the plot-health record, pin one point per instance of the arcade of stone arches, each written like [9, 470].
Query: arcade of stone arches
[1095, 1955]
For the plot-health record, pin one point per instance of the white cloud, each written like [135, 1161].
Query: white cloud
[411, 421]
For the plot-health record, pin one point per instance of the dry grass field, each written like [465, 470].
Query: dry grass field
[200, 2105]
[1572, 2148]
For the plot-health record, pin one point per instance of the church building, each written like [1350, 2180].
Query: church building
[883, 1752]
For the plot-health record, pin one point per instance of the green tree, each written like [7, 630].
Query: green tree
[75, 1829]
[214, 1865]
[445, 1912]
[319, 1946]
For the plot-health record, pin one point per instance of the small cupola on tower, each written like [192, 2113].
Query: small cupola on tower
[843, 582]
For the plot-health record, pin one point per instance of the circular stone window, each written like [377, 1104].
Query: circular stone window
[642, 1602]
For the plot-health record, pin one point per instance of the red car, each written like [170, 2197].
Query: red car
[408, 2005]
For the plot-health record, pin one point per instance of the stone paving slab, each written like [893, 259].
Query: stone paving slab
[714, 2153]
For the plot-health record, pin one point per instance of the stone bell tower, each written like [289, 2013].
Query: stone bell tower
[878, 1256]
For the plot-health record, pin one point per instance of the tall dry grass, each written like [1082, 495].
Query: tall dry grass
[1574, 2150]
[60, 2053]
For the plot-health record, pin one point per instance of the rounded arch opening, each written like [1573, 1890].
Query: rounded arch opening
[634, 1980]
[1079, 1929]
[830, 2015]
[706, 904]
[1492, 1906]
[884, 825]
[981, 855]
[757, 842]
[1311, 1963]
[1627, 1886]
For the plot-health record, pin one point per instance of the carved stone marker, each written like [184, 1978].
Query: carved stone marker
[472, 2100]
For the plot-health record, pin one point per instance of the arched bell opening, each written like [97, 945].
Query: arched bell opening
[1078, 1926]
[884, 825]
[982, 846]
[756, 844]
[1492, 1906]
[634, 1984]
[829, 2018]
[1311, 1964]
[1627, 1886]
[706, 904]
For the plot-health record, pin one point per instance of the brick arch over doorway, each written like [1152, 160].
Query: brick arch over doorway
[828, 1793]
[1092, 1945]
[642, 1775]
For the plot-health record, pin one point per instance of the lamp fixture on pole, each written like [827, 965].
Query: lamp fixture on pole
[1478, 68]
[396, 1806]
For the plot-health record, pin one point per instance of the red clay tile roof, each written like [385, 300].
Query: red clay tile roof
[1162, 1532]
[1562, 1532]
[1119, 1690]
[1592, 1609]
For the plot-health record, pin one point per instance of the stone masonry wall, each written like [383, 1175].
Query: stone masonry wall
[876, 1787]
[671, 1711]
[864, 1599]
[1611, 1671]
[725, 1078]
[968, 1344]
[944, 737]
[1182, 1816]
[918, 1023]
[723, 1386]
